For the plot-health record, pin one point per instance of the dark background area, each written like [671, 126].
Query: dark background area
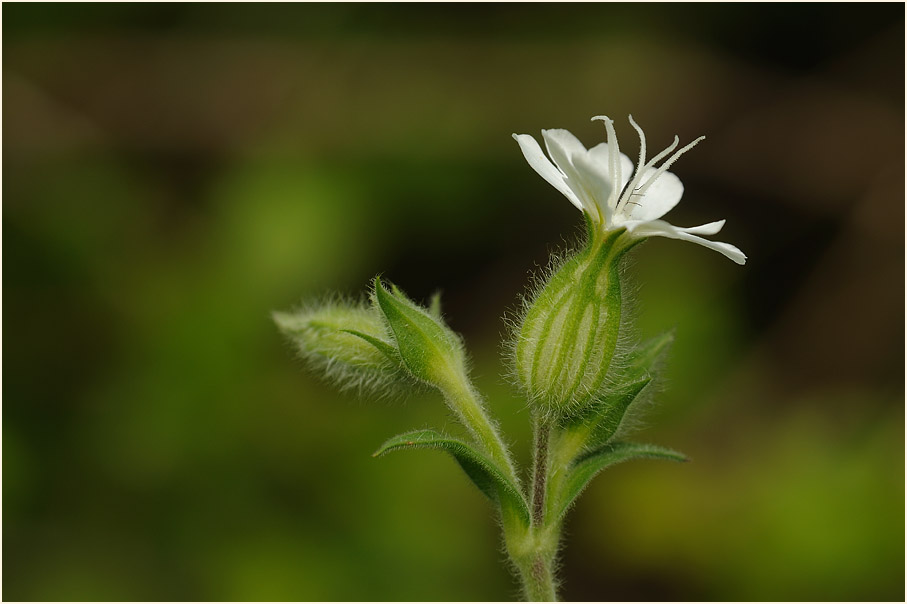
[174, 172]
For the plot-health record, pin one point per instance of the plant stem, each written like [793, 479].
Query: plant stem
[564, 449]
[538, 581]
[540, 472]
[465, 402]
[533, 547]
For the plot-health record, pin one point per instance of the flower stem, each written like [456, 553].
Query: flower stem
[540, 471]
[465, 402]
[538, 581]
[533, 547]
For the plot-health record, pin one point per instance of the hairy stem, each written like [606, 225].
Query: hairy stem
[465, 402]
[540, 471]
[533, 547]
[538, 581]
[565, 447]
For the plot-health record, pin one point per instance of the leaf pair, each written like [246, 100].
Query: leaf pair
[597, 426]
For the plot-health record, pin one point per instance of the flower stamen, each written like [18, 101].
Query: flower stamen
[631, 189]
[613, 160]
[664, 167]
[641, 168]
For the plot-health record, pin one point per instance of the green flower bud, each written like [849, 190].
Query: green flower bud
[566, 341]
[428, 348]
[349, 343]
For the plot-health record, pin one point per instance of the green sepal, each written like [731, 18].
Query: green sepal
[429, 349]
[484, 473]
[565, 342]
[586, 467]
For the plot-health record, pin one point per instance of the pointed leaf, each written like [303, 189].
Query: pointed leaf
[602, 419]
[590, 464]
[483, 472]
[386, 349]
[647, 356]
[613, 409]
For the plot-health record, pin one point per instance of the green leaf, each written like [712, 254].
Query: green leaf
[387, 349]
[429, 349]
[603, 418]
[484, 473]
[611, 411]
[646, 357]
[590, 464]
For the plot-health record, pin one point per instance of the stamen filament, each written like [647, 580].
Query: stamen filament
[628, 191]
[664, 153]
[613, 160]
[633, 189]
[667, 165]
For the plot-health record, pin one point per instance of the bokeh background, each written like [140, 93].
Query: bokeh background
[172, 173]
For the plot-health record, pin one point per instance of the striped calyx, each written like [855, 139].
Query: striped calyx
[570, 330]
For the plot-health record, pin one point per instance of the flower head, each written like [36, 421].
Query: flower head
[602, 183]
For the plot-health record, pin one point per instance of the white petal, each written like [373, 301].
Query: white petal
[563, 147]
[711, 228]
[541, 164]
[596, 181]
[663, 194]
[660, 228]
[599, 156]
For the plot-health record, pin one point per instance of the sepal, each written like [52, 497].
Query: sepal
[567, 338]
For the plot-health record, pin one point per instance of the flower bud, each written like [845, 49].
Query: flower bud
[428, 348]
[350, 344]
[568, 335]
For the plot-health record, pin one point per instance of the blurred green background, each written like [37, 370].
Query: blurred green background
[172, 173]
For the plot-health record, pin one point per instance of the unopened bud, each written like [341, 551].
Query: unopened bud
[428, 348]
[350, 344]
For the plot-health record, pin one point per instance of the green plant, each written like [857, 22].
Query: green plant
[571, 351]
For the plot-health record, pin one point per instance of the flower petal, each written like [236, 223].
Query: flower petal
[597, 182]
[711, 228]
[547, 170]
[660, 228]
[563, 146]
[599, 156]
[659, 198]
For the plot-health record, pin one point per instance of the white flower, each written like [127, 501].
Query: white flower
[601, 182]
